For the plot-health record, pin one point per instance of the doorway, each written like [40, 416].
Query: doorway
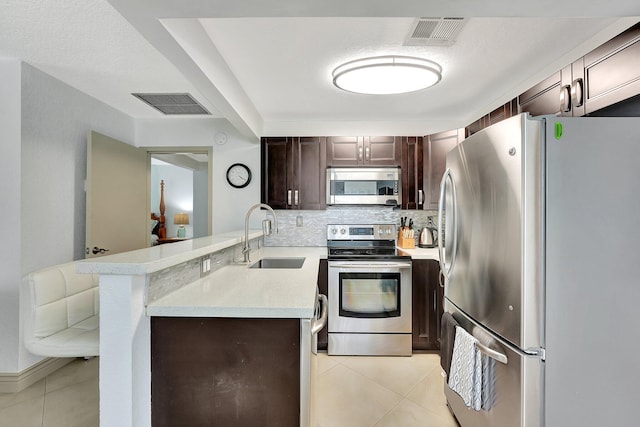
[185, 174]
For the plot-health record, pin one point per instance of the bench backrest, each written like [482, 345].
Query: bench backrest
[58, 297]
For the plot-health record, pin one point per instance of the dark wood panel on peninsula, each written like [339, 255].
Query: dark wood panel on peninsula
[225, 372]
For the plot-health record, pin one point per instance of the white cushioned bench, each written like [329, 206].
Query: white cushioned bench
[60, 312]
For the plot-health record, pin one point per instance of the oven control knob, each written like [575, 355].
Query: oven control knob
[334, 230]
[343, 231]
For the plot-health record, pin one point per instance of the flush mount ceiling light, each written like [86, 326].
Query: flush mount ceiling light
[385, 75]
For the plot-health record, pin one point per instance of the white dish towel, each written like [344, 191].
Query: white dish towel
[465, 376]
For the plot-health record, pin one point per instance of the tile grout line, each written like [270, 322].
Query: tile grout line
[44, 398]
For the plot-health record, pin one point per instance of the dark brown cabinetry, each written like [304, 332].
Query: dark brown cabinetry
[435, 152]
[427, 304]
[612, 71]
[543, 98]
[225, 372]
[293, 172]
[412, 172]
[607, 75]
[363, 151]
[502, 112]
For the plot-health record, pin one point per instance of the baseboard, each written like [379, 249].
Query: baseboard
[15, 382]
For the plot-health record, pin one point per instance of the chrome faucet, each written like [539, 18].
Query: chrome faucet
[265, 228]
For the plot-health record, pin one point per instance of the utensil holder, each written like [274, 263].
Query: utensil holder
[405, 242]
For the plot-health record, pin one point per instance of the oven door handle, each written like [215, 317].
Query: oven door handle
[361, 265]
[320, 322]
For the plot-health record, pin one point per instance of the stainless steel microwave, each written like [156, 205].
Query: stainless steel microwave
[364, 186]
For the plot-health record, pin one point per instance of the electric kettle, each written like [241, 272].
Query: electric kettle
[428, 237]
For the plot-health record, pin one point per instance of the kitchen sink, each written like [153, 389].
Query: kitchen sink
[295, 262]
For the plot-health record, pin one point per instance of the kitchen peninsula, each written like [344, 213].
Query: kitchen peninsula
[153, 301]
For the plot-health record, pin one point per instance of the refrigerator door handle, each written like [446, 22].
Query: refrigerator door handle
[452, 219]
[495, 355]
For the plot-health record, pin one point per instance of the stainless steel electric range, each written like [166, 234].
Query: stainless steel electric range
[369, 291]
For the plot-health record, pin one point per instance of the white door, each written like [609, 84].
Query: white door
[117, 208]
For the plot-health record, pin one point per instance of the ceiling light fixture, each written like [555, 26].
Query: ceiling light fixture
[385, 75]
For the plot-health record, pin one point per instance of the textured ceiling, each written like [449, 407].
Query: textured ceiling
[265, 64]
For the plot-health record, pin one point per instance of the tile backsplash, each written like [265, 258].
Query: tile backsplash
[309, 228]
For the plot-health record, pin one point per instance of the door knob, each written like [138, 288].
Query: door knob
[96, 250]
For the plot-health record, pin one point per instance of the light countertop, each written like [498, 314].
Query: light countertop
[421, 253]
[156, 258]
[238, 291]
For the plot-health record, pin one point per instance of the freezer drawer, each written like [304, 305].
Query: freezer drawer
[518, 385]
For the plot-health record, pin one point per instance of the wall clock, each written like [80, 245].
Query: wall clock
[238, 175]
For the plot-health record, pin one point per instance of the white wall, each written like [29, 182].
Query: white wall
[229, 205]
[178, 195]
[54, 122]
[10, 225]
[43, 131]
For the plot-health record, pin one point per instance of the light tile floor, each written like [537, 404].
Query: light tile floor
[381, 392]
[66, 398]
[350, 392]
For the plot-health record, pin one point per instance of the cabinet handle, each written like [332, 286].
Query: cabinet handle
[295, 197]
[289, 197]
[435, 297]
[367, 154]
[577, 94]
[420, 197]
[565, 99]
[360, 153]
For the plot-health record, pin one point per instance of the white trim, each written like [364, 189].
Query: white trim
[18, 381]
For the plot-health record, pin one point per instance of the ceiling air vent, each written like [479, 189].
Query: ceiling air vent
[172, 103]
[434, 31]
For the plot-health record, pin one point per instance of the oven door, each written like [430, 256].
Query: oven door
[369, 296]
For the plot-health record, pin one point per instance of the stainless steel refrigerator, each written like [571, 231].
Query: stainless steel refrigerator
[541, 258]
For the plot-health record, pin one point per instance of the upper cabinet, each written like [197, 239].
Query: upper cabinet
[293, 172]
[436, 148]
[363, 151]
[543, 98]
[605, 76]
[502, 112]
[412, 172]
[612, 71]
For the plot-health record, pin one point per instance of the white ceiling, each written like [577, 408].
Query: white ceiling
[265, 65]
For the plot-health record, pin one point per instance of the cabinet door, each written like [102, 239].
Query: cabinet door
[502, 112]
[437, 147]
[543, 98]
[309, 165]
[214, 371]
[427, 305]
[412, 172]
[382, 151]
[612, 71]
[345, 150]
[476, 126]
[277, 171]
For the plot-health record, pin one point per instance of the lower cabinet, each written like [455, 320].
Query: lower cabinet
[226, 372]
[427, 304]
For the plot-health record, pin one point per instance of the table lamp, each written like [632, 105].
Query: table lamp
[181, 219]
